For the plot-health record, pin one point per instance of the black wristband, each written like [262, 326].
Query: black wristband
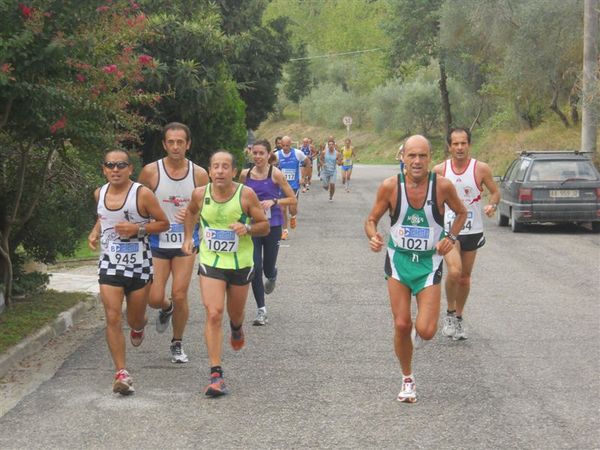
[275, 201]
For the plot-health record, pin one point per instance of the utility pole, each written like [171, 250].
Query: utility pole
[591, 91]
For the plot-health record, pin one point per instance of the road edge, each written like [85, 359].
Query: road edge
[36, 341]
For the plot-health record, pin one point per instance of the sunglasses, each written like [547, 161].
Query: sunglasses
[119, 165]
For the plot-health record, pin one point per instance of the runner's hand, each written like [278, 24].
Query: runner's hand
[376, 242]
[93, 240]
[187, 247]
[444, 246]
[180, 215]
[126, 229]
[239, 228]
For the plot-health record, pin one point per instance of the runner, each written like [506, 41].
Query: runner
[307, 169]
[399, 154]
[330, 158]
[127, 211]
[268, 182]
[417, 242]
[314, 156]
[469, 176]
[173, 179]
[226, 266]
[290, 161]
[348, 155]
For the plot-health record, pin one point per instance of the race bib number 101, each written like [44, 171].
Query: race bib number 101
[172, 238]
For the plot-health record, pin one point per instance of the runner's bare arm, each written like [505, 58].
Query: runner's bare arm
[253, 209]
[450, 198]
[439, 169]
[191, 217]
[200, 176]
[243, 176]
[381, 205]
[149, 176]
[487, 180]
[95, 233]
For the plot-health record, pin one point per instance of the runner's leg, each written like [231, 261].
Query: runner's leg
[112, 299]
[213, 299]
[400, 297]
[182, 267]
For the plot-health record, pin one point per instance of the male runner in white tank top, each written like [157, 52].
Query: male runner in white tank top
[469, 176]
[173, 179]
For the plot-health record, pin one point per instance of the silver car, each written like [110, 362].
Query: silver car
[550, 186]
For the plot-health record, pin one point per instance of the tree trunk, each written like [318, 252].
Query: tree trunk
[554, 107]
[445, 99]
[589, 110]
[8, 274]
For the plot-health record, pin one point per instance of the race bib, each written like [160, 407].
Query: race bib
[451, 215]
[173, 238]
[289, 174]
[416, 239]
[223, 241]
[124, 253]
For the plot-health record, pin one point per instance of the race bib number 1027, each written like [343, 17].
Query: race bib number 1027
[218, 240]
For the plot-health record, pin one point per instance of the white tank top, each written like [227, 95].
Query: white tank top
[173, 195]
[131, 257]
[470, 194]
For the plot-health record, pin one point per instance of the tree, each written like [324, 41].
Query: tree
[415, 27]
[67, 93]
[298, 82]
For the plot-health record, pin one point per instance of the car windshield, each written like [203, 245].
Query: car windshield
[562, 170]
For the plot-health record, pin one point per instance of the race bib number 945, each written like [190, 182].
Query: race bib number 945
[124, 253]
[218, 240]
[418, 239]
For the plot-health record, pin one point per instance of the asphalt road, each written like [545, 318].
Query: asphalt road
[323, 373]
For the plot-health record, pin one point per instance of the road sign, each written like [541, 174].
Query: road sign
[347, 120]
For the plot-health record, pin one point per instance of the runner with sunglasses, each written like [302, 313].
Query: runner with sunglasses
[127, 212]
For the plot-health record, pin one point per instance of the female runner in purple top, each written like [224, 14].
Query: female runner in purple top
[269, 184]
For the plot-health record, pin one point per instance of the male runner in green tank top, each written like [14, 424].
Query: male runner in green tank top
[416, 201]
[230, 214]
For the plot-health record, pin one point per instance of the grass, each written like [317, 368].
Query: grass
[82, 252]
[31, 313]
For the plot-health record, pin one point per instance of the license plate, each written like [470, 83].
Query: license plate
[564, 193]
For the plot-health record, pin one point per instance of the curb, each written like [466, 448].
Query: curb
[34, 342]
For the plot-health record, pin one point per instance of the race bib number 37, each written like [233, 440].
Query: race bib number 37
[418, 239]
[218, 240]
[124, 253]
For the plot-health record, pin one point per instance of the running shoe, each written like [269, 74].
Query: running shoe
[136, 337]
[284, 235]
[177, 354]
[417, 340]
[270, 285]
[164, 318]
[123, 383]
[237, 339]
[217, 387]
[261, 318]
[304, 189]
[449, 328]
[408, 394]
[460, 334]
[293, 222]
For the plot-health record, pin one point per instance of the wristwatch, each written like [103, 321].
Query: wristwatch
[451, 237]
[494, 205]
[248, 228]
[141, 232]
[275, 201]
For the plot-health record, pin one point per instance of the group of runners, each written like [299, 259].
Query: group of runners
[155, 228]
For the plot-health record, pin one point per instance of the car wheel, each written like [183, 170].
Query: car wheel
[501, 219]
[596, 227]
[515, 226]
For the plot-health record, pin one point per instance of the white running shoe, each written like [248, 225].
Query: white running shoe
[449, 328]
[417, 340]
[261, 317]
[177, 353]
[123, 384]
[460, 334]
[408, 394]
